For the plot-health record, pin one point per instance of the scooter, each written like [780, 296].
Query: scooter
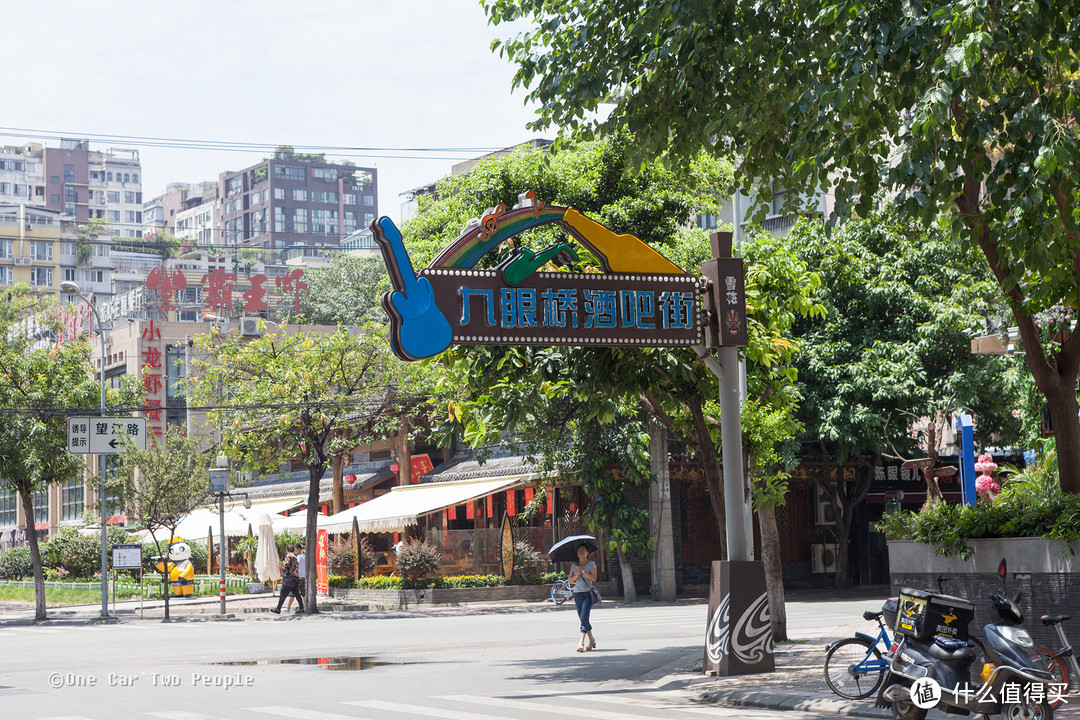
[932, 661]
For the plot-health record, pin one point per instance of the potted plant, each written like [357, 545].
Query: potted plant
[247, 547]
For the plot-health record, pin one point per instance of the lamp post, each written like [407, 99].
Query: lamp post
[72, 289]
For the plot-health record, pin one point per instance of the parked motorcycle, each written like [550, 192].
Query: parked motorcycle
[932, 645]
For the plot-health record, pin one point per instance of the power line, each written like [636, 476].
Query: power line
[241, 146]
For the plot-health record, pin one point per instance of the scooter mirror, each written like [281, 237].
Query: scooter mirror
[1016, 598]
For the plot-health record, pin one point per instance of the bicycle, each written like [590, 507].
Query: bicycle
[855, 667]
[561, 592]
[1062, 672]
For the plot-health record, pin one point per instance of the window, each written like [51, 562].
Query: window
[114, 196]
[127, 178]
[69, 208]
[94, 175]
[18, 190]
[318, 221]
[6, 248]
[108, 176]
[299, 195]
[325, 174]
[93, 276]
[129, 197]
[135, 177]
[41, 250]
[279, 193]
[368, 217]
[300, 220]
[266, 194]
[369, 199]
[234, 185]
[5, 188]
[70, 196]
[350, 198]
[279, 219]
[350, 222]
[54, 198]
[113, 216]
[54, 179]
[332, 222]
[257, 222]
[41, 277]
[39, 191]
[289, 172]
[69, 274]
[69, 173]
[6, 277]
[129, 216]
[71, 500]
[7, 507]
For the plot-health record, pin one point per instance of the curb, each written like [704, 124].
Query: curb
[785, 701]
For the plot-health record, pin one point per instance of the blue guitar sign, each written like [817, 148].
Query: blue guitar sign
[418, 328]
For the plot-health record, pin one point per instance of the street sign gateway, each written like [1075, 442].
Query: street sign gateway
[105, 435]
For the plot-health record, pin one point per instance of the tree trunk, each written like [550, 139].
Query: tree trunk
[311, 538]
[774, 575]
[35, 556]
[849, 503]
[629, 589]
[1062, 407]
[714, 478]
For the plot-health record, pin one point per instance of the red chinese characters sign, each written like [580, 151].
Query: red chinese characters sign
[153, 386]
[222, 291]
[420, 465]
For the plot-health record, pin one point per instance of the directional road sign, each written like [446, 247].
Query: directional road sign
[105, 435]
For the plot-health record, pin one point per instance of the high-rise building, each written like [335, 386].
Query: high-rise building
[295, 200]
[22, 179]
[85, 184]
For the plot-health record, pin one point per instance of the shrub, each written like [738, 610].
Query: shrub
[340, 556]
[471, 581]
[525, 559]
[1030, 504]
[379, 582]
[386, 582]
[340, 581]
[417, 559]
[16, 563]
[80, 554]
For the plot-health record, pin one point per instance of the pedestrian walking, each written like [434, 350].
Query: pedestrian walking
[301, 563]
[290, 580]
[582, 576]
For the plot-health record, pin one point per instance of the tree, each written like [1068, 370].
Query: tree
[583, 408]
[348, 292]
[308, 395]
[39, 388]
[893, 347]
[161, 485]
[961, 111]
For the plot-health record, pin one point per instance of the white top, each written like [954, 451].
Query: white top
[581, 584]
[301, 564]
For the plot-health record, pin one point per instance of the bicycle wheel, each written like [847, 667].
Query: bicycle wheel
[1060, 672]
[845, 671]
[558, 593]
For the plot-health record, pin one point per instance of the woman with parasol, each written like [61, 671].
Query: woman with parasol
[581, 578]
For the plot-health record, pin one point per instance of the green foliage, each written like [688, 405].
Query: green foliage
[285, 538]
[348, 292]
[959, 113]
[16, 563]
[78, 553]
[1031, 504]
[894, 343]
[417, 559]
[340, 581]
[248, 545]
[525, 559]
[341, 555]
[386, 582]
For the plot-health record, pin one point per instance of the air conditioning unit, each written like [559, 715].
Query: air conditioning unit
[824, 558]
[825, 510]
[24, 261]
[249, 326]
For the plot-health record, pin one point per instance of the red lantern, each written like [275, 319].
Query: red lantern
[349, 478]
[394, 467]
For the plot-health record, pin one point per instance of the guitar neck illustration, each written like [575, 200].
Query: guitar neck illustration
[398, 264]
[617, 253]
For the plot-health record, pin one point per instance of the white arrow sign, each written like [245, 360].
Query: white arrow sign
[105, 435]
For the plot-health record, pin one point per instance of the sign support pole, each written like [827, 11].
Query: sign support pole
[731, 444]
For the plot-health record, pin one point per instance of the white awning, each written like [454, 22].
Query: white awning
[237, 518]
[401, 507]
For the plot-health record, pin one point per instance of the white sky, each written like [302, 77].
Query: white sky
[358, 73]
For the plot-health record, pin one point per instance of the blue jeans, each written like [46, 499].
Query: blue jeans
[583, 601]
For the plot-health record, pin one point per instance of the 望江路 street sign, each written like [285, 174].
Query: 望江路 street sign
[105, 435]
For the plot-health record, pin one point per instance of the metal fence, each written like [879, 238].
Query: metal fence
[204, 585]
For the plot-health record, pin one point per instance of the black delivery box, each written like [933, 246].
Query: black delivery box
[923, 614]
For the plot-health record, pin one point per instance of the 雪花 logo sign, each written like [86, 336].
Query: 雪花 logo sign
[641, 299]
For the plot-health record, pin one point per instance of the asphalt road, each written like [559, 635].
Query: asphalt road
[513, 662]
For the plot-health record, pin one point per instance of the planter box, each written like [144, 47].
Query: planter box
[459, 596]
[1045, 571]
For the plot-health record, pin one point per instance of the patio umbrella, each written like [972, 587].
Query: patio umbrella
[566, 549]
[267, 562]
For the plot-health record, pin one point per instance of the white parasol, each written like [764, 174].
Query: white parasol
[267, 562]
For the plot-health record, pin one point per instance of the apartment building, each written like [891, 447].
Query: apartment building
[85, 184]
[292, 200]
[22, 179]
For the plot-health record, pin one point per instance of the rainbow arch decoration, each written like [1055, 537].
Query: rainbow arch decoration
[641, 299]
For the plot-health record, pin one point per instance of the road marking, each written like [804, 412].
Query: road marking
[420, 710]
[573, 710]
[300, 713]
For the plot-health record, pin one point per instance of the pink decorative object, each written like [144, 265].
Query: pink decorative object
[984, 484]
